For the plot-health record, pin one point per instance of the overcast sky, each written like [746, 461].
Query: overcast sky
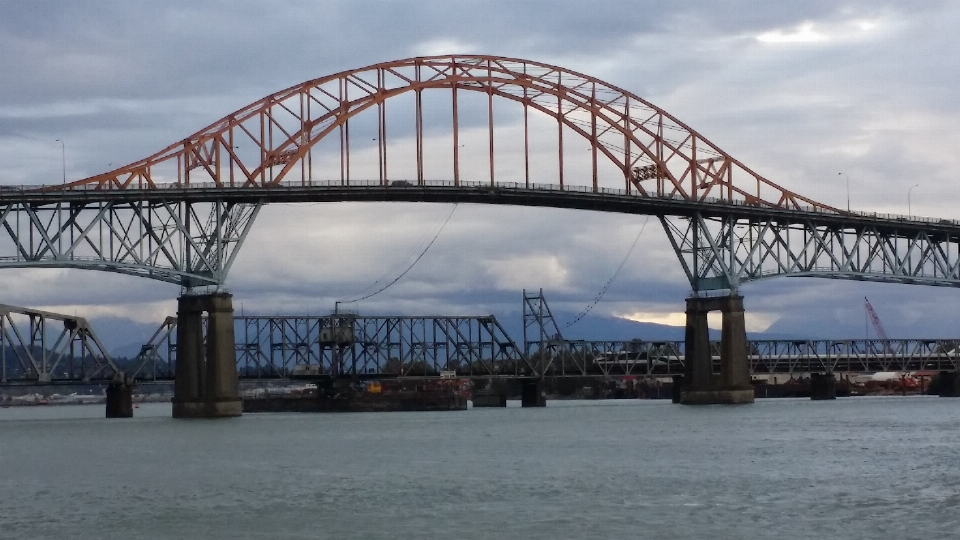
[798, 91]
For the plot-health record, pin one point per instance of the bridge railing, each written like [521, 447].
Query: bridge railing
[410, 184]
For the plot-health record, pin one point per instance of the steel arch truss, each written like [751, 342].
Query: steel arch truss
[740, 225]
[272, 139]
[187, 243]
[721, 252]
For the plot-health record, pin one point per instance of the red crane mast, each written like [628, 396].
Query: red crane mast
[877, 327]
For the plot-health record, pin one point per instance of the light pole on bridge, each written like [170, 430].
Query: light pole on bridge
[63, 159]
[909, 210]
[848, 189]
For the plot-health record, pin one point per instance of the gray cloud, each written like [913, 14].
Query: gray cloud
[874, 98]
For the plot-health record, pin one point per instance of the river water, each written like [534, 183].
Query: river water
[851, 468]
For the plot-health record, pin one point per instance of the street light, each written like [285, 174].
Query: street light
[909, 212]
[63, 158]
[848, 190]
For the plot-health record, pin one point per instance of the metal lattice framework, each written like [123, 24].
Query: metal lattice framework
[854, 355]
[664, 358]
[351, 345]
[182, 242]
[527, 124]
[285, 347]
[721, 252]
[273, 139]
[44, 347]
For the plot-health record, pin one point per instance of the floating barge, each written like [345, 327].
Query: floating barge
[370, 397]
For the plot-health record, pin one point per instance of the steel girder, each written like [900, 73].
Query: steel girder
[157, 356]
[44, 347]
[188, 243]
[723, 251]
[853, 355]
[350, 345]
[282, 347]
[191, 236]
[569, 358]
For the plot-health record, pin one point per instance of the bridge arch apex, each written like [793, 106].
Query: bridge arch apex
[272, 140]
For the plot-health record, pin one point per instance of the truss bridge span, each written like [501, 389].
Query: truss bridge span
[47, 348]
[292, 347]
[475, 129]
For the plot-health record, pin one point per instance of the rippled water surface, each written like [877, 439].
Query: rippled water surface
[853, 468]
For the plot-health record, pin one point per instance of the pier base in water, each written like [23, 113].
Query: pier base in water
[206, 374]
[119, 400]
[531, 394]
[949, 384]
[823, 386]
[732, 384]
[489, 398]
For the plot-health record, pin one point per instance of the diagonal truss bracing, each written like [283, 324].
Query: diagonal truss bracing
[282, 347]
[44, 347]
[722, 251]
[183, 242]
[288, 347]
[727, 223]
[277, 138]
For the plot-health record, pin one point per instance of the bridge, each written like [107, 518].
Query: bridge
[39, 347]
[181, 215]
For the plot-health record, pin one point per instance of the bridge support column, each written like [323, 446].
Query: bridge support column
[823, 386]
[119, 400]
[949, 384]
[206, 383]
[732, 384]
[677, 389]
[531, 394]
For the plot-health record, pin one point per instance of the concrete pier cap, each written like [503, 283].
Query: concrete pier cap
[732, 384]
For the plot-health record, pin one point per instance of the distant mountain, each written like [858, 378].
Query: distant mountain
[600, 328]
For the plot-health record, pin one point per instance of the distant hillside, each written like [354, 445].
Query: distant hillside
[600, 328]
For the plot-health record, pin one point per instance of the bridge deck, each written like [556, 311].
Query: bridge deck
[501, 193]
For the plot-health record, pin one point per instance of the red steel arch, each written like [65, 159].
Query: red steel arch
[271, 140]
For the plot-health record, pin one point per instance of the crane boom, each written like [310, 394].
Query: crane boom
[877, 327]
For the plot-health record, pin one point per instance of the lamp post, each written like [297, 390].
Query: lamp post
[909, 211]
[848, 189]
[63, 159]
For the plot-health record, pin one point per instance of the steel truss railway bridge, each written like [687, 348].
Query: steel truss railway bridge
[181, 215]
[43, 347]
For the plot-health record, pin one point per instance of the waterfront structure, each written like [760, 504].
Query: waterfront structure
[181, 214]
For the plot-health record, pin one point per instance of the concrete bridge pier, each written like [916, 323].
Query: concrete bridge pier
[119, 400]
[531, 394]
[823, 386]
[206, 383]
[732, 385]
